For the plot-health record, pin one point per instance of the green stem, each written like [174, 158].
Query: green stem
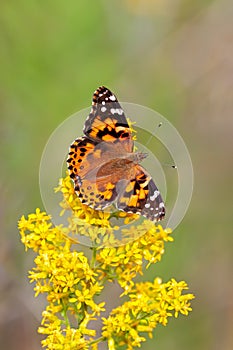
[84, 309]
[93, 259]
[97, 340]
[64, 306]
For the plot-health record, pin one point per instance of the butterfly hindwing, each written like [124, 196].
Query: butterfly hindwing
[141, 196]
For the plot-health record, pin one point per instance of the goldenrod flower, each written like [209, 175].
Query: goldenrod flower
[149, 304]
[72, 281]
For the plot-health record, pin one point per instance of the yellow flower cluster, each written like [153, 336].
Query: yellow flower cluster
[149, 304]
[125, 262]
[72, 281]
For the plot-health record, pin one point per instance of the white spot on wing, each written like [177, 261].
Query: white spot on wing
[155, 195]
[103, 109]
[116, 110]
[112, 98]
[147, 205]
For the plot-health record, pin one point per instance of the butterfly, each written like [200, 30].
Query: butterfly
[104, 167]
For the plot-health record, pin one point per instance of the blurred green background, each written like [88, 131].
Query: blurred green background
[174, 56]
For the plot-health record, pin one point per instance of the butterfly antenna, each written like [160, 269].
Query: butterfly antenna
[148, 141]
[170, 165]
[153, 134]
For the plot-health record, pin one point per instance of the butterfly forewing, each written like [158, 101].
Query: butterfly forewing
[85, 162]
[107, 121]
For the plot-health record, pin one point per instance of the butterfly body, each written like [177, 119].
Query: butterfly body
[104, 167]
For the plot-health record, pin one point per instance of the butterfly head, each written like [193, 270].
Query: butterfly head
[137, 157]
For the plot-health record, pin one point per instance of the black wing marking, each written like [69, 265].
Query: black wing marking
[107, 121]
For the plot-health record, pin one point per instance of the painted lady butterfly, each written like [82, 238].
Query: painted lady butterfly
[104, 167]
